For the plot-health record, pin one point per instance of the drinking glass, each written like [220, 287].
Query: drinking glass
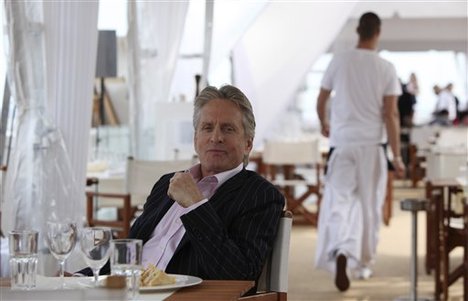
[61, 238]
[126, 261]
[23, 258]
[95, 245]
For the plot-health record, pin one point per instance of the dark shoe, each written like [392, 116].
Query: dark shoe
[341, 278]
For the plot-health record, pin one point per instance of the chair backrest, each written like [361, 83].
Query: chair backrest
[279, 152]
[274, 277]
[445, 163]
[456, 137]
[142, 174]
[424, 136]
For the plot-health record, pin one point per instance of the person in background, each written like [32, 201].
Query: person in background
[406, 102]
[412, 86]
[217, 220]
[445, 110]
[364, 116]
[449, 89]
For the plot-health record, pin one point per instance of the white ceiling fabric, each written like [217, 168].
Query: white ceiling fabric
[273, 56]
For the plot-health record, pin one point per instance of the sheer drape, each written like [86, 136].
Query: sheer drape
[51, 59]
[155, 32]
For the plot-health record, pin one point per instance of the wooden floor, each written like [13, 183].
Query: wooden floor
[391, 271]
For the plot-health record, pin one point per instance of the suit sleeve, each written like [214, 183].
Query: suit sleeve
[236, 249]
[138, 229]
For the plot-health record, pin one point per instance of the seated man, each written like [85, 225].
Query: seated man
[217, 220]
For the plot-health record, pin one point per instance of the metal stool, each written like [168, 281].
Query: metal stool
[414, 205]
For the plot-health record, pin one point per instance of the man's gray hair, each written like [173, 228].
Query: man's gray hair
[229, 93]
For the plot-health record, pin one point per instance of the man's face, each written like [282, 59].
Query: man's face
[220, 140]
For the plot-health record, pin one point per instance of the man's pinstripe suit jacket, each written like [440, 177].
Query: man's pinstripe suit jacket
[228, 237]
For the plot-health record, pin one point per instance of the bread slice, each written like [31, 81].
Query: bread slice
[153, 276]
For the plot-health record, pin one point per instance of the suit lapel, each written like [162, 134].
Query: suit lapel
[216, 201]
[227, 188]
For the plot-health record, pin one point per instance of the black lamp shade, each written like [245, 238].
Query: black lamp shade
[106, 61]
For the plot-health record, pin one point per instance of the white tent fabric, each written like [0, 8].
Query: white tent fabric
[274, 43]
[155, 33]
[292, 36]
[52, 51]
[231, 20]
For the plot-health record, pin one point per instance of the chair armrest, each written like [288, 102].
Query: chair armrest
[91, 194]
[127, 212]
[92, 181]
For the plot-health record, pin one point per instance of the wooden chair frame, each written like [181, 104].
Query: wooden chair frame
[288, 185]
[287, 158]
[139, 174]
[445, 238]
[416, 165]
[444, 188]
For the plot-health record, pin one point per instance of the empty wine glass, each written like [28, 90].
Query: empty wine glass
[95, 245]
[61, 238]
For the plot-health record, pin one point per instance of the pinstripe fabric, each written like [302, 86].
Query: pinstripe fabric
[229, 237]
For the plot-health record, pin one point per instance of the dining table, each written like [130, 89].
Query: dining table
[78, 288]
[213, 290]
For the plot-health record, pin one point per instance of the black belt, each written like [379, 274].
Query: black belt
[384, 145]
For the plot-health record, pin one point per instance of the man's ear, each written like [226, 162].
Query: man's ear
[249, 144]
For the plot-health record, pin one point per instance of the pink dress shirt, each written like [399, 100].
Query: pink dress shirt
[167, 235]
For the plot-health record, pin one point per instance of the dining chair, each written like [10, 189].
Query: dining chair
[440, 193]
[140, 176]
[453, 233]
[452, 137]
[273, 282]
[300, 165]
[421, 140]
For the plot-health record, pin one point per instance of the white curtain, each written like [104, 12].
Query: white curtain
[293, 34]
[155, 33]
[51, 63]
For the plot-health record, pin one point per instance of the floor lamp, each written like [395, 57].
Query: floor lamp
[106, 66]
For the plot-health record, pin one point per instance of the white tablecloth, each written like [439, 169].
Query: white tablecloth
[77, 288]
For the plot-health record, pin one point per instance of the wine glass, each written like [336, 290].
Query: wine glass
[95, 245]
[61, 238]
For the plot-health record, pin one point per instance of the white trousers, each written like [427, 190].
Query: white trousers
[351, 210]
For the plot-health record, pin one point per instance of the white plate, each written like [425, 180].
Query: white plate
[181, 281]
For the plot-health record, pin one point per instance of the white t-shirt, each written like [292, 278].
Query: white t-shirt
[446, 101]
[360, 80]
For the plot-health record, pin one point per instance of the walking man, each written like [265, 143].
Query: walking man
[363, 118]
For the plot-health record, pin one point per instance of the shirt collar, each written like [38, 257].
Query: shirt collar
[222, 177]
